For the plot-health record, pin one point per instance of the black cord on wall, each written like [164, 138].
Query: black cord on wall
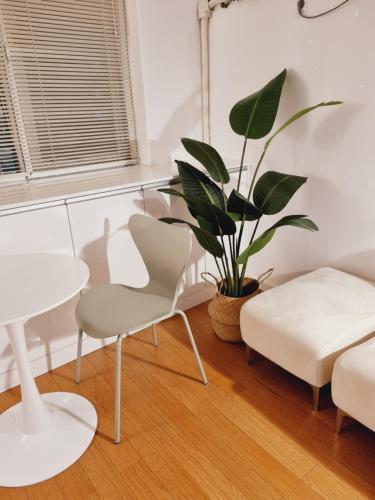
[301, 4]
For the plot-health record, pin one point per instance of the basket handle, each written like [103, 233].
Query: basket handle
[265, 275]
[216, 285]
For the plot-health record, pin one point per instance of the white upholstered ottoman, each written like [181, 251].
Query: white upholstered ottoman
[353, 385]
[305, 324]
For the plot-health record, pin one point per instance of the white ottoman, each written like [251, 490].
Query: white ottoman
[305, 324]
[353, 385]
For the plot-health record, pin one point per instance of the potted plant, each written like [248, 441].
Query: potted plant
[220, 219]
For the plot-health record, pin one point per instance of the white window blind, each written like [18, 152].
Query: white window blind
[70, 66]
[10, 157]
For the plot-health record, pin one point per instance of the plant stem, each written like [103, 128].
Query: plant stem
[241, 164]
[228, 280]
[249, 195]
[218, 268]
[238, 188]
[238, 246]
[257, 223]
[225, 279]
[233, 261]
[236, 274]
[243, 271]
[256, 172]
[224, 198]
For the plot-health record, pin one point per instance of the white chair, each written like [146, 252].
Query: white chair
[306, 323]
[117, 310]
[353, 385]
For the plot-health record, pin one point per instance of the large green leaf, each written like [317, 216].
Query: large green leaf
[212, 218]
[196, 184]
[258, 244]
[209, 158]
[298, 115]
[254, 116]
[240, 207]
[205, 239]
[273, 191]
[172, 192]
[297, 221]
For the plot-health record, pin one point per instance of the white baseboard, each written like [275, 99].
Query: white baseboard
[193, 299]
[62, 356]
[50, 361]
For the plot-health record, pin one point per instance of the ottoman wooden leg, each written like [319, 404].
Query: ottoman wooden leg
[339, 419]
[316, 394]
[250, 355]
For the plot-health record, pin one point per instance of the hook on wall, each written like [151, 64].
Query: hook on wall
[301, 4]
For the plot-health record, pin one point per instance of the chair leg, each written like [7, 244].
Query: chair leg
[316, 394]
[118, 391]
[339, 420]
[154, 336]
[79, 354]
[193, 345]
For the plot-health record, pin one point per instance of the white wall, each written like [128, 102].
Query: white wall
[167, 74]
[327, 58]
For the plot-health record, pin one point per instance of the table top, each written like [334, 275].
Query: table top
[31, 284]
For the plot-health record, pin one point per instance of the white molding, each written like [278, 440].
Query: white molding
[41, 192]
[50, 361]
[193, 299]
[52, 172]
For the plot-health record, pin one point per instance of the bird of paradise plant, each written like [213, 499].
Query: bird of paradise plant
[221, 219]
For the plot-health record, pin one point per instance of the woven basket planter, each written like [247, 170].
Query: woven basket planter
[225, 311]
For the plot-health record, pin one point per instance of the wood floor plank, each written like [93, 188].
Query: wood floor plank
[139, 482]
[330, 485]
[191, 468]
[15, 493]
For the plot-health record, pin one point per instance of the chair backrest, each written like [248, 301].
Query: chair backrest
[165, 250]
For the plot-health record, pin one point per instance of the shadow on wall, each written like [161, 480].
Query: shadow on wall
[294, 97]
[334, 126]
[183, 120]
[95, 254]
[156, 205]
[60, 320]
[100, 256]
[347, 248]
[360, 264]
[38, 335]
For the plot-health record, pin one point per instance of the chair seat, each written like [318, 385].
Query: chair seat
[353, 383]
[114, 309]
[305, 324]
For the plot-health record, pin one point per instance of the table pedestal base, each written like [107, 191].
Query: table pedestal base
[27, 459]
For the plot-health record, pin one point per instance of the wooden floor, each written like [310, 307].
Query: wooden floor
[249, 434]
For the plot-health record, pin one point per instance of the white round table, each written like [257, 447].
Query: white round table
[44, 434]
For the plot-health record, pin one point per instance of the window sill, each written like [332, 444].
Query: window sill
[52, 191]
[57, 190]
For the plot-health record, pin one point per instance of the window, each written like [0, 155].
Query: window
[65, 86]
[9, 155]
